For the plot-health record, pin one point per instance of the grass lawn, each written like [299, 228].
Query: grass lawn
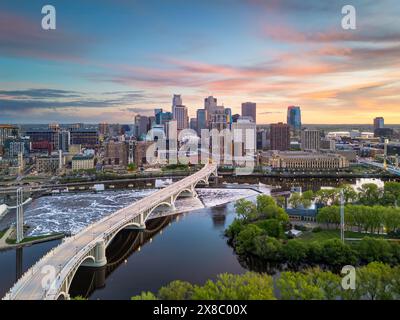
[2, 232]
[331, 234]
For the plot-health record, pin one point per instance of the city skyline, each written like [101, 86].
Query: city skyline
[275, 54]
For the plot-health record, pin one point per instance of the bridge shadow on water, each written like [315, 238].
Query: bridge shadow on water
[125, 243]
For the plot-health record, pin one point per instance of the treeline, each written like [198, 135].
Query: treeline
[373, 219]
[259, 231]
[376, 281]
[368, 194]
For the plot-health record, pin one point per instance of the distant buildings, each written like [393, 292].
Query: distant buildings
[193, 124]
[43, 140]
[116, 153]
[201, 120]
[294, 117]
[384, 133]
[307, 161]
[310, 139]
[176, 101]
[248, 139]
[379, 123]
[249, 109]
[82, 162]
[85, 137]
[182, 117]
[279, 136]
[8, 131]
[162, 117]
[47, 164]
[141, 126]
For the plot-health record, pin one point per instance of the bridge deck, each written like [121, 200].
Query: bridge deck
[74, 250]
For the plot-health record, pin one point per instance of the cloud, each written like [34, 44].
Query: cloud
[40, 93]
[20, 36]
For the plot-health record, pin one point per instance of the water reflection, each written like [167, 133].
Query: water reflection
[126, 242]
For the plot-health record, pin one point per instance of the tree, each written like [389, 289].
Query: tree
[246, 237]
[370, 249]
[369, 194]
[281, 201]
[337, 254]
[329, 215]
[391, 194]
[176, 290]
[234, 229]
[373, 281]
[264, 202]
[268, 248]
[349, 194]
[249, 286]
[326, 196]
[273, 227]
[246, 209]
[131, 167]
[307, 198]
[145, 296]
[295, 200]
[297, 286]
[294, 251]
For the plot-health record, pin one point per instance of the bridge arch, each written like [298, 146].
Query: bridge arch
[130, 224]
[68, 280]
[164, 203]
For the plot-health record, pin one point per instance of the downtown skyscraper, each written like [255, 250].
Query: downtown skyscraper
[294, 117]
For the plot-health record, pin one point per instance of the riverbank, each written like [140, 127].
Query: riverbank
[7, 242]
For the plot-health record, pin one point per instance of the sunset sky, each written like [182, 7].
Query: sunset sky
[109, 60]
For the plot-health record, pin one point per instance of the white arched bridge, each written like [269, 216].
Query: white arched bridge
[51, 277]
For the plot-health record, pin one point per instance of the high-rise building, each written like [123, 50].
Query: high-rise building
[294, 117]
[193, 124]
[280, 136]
[218, 119]
[201, 120]
[163, 117]
[210, 104]
[379, 123]
[246, 129]
[176, 101]
[249, 109]
[181, 116]
[64, 140]
[310, 139]
[103, 128]
[262, 139]
[43, 140]
[8, 131]
[141, 126]
[85, 137]
[116, 153]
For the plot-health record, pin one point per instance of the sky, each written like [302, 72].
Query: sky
[110, 60]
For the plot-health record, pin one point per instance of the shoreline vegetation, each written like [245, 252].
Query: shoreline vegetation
[375, 281]
[261, 232]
